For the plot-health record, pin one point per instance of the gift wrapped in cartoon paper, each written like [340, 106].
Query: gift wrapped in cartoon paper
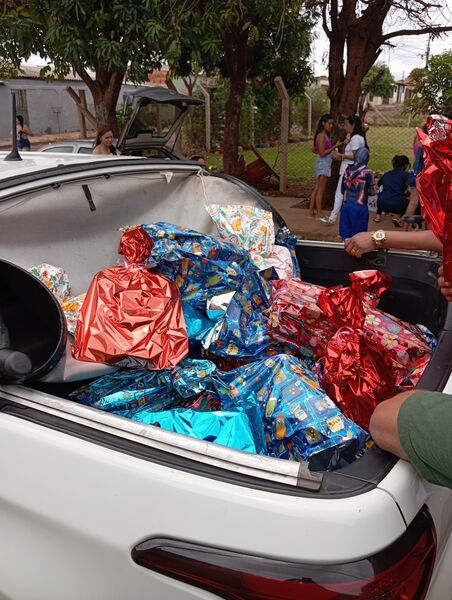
[57, 280]
[242, 331]
[434, 184]
[252, 228]
[306, 317]
[202, 266]
[132, 317]
[300, 421]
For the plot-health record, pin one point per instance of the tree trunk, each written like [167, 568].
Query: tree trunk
[236, 57]
[105, 92]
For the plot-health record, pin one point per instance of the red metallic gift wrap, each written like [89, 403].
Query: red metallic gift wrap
[434, 184]
[132, 317]
[357, 374]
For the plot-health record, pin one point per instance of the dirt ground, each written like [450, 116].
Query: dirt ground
[296, 216]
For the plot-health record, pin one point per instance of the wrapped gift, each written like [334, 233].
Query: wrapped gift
[296, 320]
[357, 374]
[248, 227]
[132, 317]
[55, 279]
[299, 419]
[202, 266]
[434, 184]
[228, 428]
[71, 308]
[242, 331]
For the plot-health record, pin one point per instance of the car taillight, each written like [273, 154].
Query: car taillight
[400, 572]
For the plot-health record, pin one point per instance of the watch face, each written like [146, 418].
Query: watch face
[379, 235]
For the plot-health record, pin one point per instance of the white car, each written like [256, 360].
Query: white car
[98, 507]
[70, 146]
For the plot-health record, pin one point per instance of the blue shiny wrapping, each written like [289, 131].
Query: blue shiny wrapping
[242, 331]
[228, 428]
[126, 390]
[196, 322]
[192, 377]
[429, 337]
[288, 239]
[299, 419]
[201, 265]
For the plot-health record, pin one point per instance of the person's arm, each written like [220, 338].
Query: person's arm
[354, 145]
[444, 286]
[361, 243]
[27, 130]
[322, 151]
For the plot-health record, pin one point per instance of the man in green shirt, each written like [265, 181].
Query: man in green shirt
[417, 426]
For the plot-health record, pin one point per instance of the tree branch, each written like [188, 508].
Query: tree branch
[433, 30]
[326, 29]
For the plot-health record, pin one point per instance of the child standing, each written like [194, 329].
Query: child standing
[323, 147]
[393, 195]
[358, 184]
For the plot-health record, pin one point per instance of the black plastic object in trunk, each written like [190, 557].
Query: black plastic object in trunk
[33, 318]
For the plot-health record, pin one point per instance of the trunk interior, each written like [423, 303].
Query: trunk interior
[76, 225]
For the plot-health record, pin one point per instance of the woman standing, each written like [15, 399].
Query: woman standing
[23, 132]
[104, 142]
[355, 139]
[323, 147]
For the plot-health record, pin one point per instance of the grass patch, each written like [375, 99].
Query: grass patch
[384, 143]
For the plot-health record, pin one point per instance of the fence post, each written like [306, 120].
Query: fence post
[309, 113]
[284, 147]
[206, 96]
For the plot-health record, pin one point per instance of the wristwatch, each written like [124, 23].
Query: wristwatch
[379, 238]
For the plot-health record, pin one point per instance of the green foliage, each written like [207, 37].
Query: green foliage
[320, 106]
[8, 70]
[432, 91]
[87, 34]
[378, 81]
[122, 114]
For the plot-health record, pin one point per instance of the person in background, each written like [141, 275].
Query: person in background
[104, 142]
[23, 134]
[418, 165]
[392, 197]
[358, 183]
[355, 139]
[323, 147]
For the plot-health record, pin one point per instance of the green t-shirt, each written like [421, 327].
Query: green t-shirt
[425, 431]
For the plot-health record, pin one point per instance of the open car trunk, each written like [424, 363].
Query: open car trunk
[153, 126]
[74, 223]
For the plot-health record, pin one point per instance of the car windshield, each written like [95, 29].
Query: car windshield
[156, 119]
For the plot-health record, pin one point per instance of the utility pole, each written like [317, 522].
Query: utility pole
[427, 52]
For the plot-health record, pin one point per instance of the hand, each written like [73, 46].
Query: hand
[359, 244]
[338, 156]
[445, 286]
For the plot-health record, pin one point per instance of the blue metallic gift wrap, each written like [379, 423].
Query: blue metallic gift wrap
[201, 265]
[193, 377]
[242, 331]
[126, 390]
[196, 322]
[299, 419]
[228, 428]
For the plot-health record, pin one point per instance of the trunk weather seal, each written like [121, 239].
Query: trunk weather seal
[341, 486]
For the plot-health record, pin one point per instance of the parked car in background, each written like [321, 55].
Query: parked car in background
[151, 131]
[70, 146]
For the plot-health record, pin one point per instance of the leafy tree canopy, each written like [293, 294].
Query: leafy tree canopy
[432, 91]
[378, 81]
[8, 70]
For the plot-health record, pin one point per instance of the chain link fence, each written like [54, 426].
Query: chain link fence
[390, 132]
